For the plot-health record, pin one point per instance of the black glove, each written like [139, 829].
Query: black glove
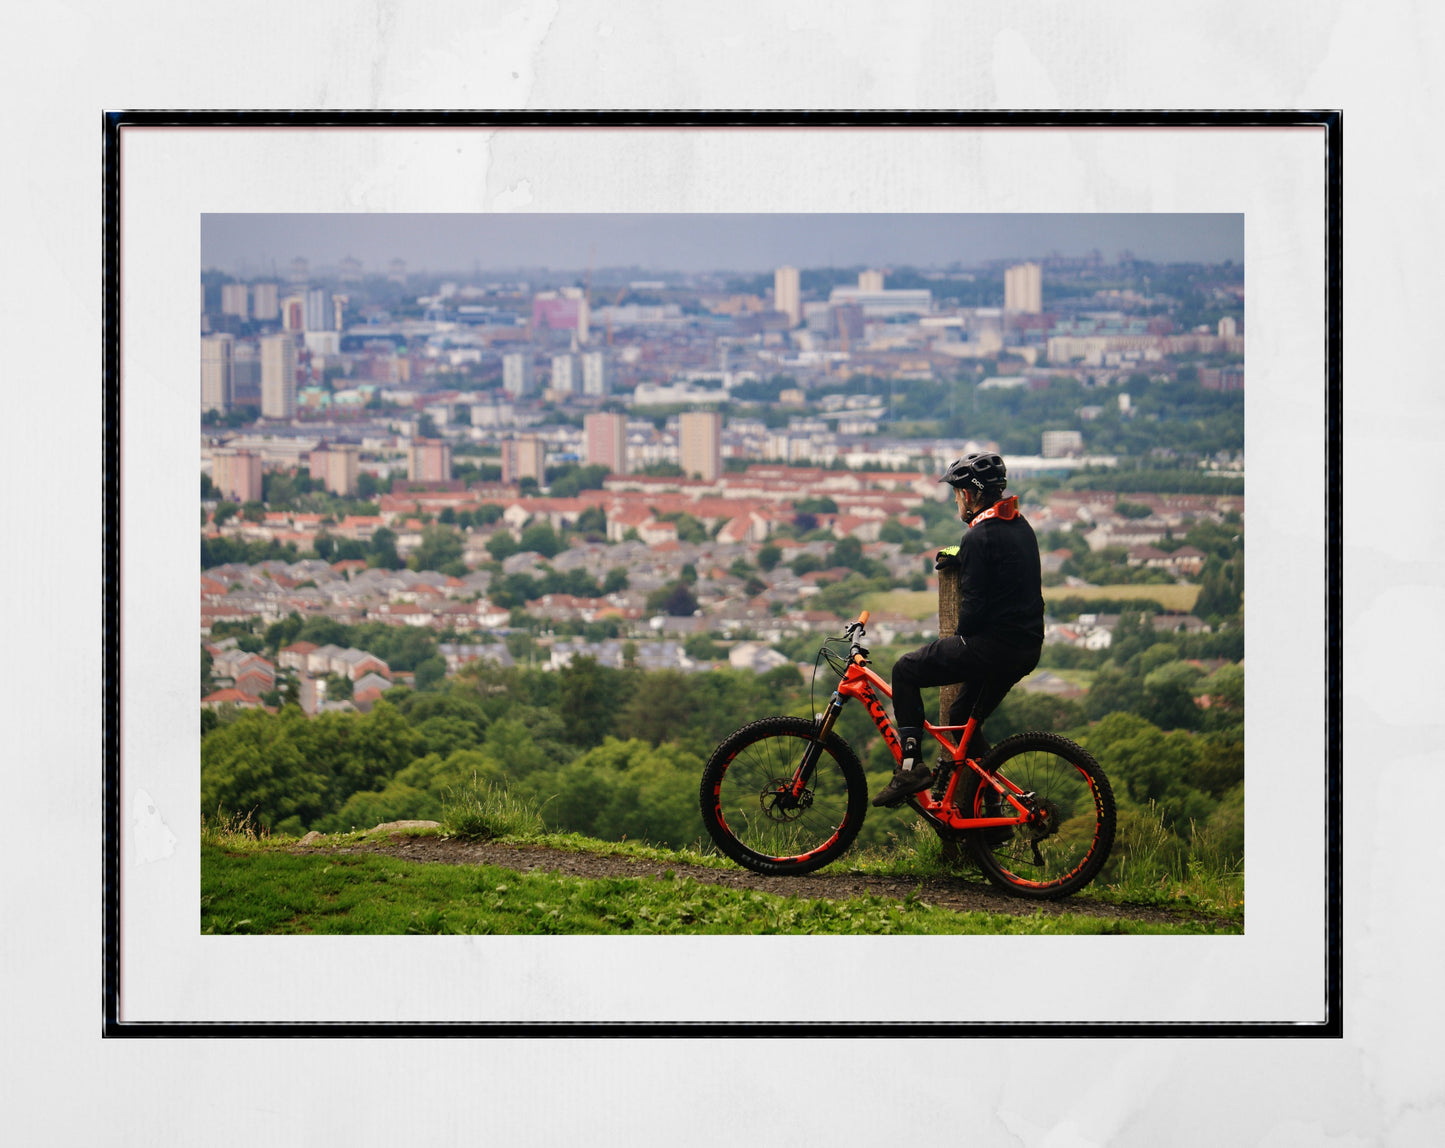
[946, 561]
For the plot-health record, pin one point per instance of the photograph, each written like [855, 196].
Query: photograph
[533, 549]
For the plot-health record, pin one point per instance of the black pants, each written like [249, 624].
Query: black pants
[986, 670]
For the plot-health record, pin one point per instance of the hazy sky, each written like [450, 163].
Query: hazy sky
[252, 242]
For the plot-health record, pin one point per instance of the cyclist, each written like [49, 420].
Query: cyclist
[1000, 618]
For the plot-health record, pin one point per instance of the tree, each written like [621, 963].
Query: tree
[593, 696]
[593, 520]
[894, 531]
[847, 552]
[253, 511]
[701, 648]
[284, 632]
[382, 550]
[769, 556]
[1169, 696]
[1145, 764]
[224, 512]
[676, 599]
[430, 671]
[806, 563]
[540, 536]
[1113, 691]
[440, 546]
[253, 765]
[1220, 589]
[369, 486]
[615, 581]
[501, 545]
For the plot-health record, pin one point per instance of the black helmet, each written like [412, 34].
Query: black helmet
[981, 472]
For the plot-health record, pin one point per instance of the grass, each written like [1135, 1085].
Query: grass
[1172, 596]
[1076, 677]
[277, 891]
[481, 811]
[1155, 871]
[921, 604]
[254, 883]
[915, 604]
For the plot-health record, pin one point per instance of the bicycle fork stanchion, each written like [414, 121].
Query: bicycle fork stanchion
[810, 755]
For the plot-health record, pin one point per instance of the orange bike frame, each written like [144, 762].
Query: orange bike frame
[861, 682]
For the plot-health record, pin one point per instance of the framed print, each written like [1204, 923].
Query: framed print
[430, 284]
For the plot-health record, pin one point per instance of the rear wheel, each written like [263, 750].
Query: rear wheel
[751, 812]
[1066, 844]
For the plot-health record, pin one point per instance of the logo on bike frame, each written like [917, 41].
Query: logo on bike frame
[880, 719]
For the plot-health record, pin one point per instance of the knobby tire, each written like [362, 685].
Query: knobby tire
[745, 817]
[1075, 842]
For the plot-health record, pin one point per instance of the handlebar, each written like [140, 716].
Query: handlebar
[858, 654]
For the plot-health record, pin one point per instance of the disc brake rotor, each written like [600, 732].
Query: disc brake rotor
[778, 801]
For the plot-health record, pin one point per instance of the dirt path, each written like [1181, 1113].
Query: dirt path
[960, 894]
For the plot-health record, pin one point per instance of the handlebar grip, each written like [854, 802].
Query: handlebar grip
[863, 618]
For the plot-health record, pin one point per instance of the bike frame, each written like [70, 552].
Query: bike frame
[864, 684]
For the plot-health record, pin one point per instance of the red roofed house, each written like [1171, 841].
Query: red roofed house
[631, 518]
[234, 697]
[294, 656]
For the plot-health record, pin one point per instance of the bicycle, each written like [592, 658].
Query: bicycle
[787, 795]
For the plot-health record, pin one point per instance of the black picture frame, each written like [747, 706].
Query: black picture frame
[114, 123]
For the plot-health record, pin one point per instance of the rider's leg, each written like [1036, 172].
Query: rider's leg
[982, 694]
[939, 663]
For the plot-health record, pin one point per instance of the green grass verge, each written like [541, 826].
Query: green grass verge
[1172, 596]
[272, 890]
[915, 604]
[922, 604]
[254, 883]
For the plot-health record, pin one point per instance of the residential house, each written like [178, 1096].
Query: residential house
[237, 698]
[1178, 624]
[458, 654]
[318, 661]
[296, 655]
[756, 657]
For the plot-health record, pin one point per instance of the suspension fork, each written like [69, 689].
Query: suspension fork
[809, 763]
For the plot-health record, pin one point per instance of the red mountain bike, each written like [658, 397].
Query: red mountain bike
[787, 795]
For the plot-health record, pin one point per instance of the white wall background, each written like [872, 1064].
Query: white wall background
[1380, 1084]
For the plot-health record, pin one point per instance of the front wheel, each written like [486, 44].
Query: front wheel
[1068, 840]
[752, 812]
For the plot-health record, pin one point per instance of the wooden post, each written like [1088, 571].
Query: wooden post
[947, 625]
[953, 851]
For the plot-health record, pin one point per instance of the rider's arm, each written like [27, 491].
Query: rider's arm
[972, 576]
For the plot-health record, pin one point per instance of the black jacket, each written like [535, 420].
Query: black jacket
[1000, 586]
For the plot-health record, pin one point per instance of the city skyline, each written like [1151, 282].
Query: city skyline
[261, 244]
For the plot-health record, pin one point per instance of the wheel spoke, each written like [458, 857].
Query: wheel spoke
[757, 813]
[1072, 819]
